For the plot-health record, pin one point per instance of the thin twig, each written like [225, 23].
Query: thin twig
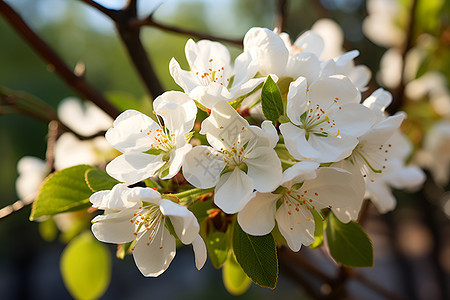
[112, 13]
[399, 97]
[56, 64]
[131, 38]
[375, 286]
[281, 16]
[149, 21]
[53, 133]
[31, 106]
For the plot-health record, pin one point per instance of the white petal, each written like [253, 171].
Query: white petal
[304, 64]
[381, 196]
[303, 170]
[409, 177]
[139, 194]
[176, 159]
[295, 227]
[258, 216]
[264, 168]
[272, 52]
[233, 191]
[297, 100]
[185, 79]
[354, 119]
[133, 167]
[360, 76]
[130, 132]
[178, 111]
[202, 168]
[332, 148]
[332, 187]
[296, 143]
[245, 68]
[351, 212]
[326, 90]
[267, 134]
[115, 199]
[116, 229]
[310, 42]
[183, 221]
[200, 252]
[153, 259]
[83, 117]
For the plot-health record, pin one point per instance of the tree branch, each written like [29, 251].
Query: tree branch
[149, 21]
[112, 13]
[55, 62]
[281, 16]
[130, 36]
[398, 93]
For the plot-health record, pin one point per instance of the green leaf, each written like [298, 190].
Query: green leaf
[62, 191]
[318, 232]
[200, 208]
[348, 243]
[86, 267]
[151, 183]
[257, 256]
[98, 180]
[272, 104]
[234, 278]
[218, 248]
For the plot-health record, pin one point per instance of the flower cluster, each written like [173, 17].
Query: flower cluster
[323, 152]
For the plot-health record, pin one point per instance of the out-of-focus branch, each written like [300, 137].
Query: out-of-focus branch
[77, 83]
[112, 13]
[149, 21]
[398, 93]
[375, 286]
[281, 16]
[16, 102]
[130, 36]
[53, 133]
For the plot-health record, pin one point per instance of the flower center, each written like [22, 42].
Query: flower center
[300, 202]
[162, 139]
[213, 73]
[316, 120]
[148, 219]
[370, 158]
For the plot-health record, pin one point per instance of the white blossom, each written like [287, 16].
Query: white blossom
[305, 188]
[140, 215]
[149, 148]
[245, 153]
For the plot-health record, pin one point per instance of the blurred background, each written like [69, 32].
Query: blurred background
[412, 244]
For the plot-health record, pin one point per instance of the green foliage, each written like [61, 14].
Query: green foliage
[48, 230]
[257, 255]
[348, 243]
[218, 247]
[98, 180]
[237, 103]
[62, 191]
[124, 101]
[234, 278]
[86, 267]
[272, 104]
[318, 231]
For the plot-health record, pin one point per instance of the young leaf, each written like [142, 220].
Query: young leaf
[257, 256]
[272, 104]
[218, 248]
[62, 191]
[98, 180]
[348, 243]
[234, 278]
[318, 232]
[86, 267]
